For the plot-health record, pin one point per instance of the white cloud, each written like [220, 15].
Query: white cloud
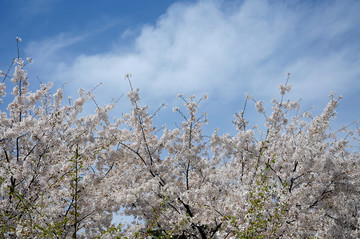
[319, 75]
[226, 50]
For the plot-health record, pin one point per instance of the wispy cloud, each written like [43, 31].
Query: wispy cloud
[35, 7]
[226, 50]
[49, 48]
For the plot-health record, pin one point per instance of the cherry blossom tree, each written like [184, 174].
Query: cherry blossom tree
[64, 175]
[299, 181]
[53, 164]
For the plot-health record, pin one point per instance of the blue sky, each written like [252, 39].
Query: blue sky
[223, 48]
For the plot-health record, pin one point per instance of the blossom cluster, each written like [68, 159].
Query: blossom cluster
[64, 175]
